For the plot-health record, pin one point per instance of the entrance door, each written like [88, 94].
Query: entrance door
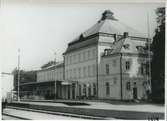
[134, 93]
[73, 91]
[89, 91]
[68, 91]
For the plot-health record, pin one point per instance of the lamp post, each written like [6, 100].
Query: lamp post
[55, 65]
[55, 76]
[18, 78]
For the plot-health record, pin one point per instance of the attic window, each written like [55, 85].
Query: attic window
[140, 48]
[126, 46]
[107, 51]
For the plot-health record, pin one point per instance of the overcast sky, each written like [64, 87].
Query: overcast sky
[40, 30]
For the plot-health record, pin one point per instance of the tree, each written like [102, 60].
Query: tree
[158, 59]
[25, 77]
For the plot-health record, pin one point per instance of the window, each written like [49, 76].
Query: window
[126, 46]
[115, 80]
[88, 54]
[79, 72]
[84, 89]
[89, 71]
[128, 85]
[142, 69]
[66, 74]
[107, 88]
[84, 71]
[79, 90]
[107, 69]
[114, 63]
[127, 64]
[70, 59]
[79, 57]
[89, 90]
[94, 89]
[94, 70]
[74, 72]
[94, 53]
[74, 58]
[140, 48]
[70, 73]
[83, 55]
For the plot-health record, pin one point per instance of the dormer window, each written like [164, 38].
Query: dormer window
[126, 46]
[81, 37]
[107, 51]
[140, 48]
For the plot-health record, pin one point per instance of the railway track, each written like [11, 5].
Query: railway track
[6, 116]
[53, 113]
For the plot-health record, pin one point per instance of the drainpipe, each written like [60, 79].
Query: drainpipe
[121, 74]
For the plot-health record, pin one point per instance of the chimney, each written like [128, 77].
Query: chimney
[115, 37]
[125, 35]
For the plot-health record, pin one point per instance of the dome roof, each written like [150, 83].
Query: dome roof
[110, 25]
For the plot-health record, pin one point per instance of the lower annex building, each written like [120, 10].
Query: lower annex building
[108, 61]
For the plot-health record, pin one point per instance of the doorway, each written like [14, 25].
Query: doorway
[134, 93]
[73, 91]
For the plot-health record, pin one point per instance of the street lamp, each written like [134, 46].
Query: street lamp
[18, 79]
[55, 76]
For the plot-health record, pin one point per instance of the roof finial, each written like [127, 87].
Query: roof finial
[107, 14]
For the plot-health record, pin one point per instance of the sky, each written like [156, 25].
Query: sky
[41, 29]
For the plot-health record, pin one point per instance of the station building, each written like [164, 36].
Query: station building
[110, 60]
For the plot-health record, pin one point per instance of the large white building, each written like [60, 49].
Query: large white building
[108, 61]
[109, 46]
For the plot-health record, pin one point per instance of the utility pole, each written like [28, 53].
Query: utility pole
[55, 76]
[18, 78]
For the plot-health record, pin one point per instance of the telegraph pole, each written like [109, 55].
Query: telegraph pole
[18, 78]
[55, 77]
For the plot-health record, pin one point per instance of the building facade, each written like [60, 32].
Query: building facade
[124, 72]
[110, 60]
[107, 76]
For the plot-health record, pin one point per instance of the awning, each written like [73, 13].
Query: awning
[36, 83]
